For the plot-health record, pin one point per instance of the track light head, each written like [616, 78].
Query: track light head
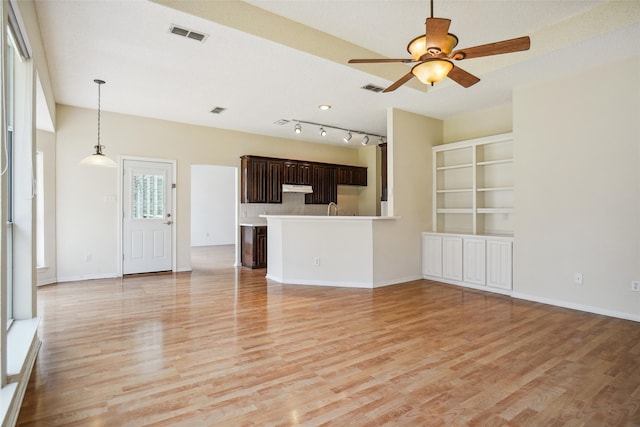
[298, 128]
[365, 140]
[380, 140]
[347, 137]
[323, 132]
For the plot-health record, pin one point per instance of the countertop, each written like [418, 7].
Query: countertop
[330, 218]
[253, 222]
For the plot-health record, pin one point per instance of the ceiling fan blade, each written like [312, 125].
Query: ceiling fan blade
[436, 32]
[372, 61]
[399, 82]
[497, 48]
[462, 77]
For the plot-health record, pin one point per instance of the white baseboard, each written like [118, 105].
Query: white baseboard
[550, 301]
[382, 283]
[580, 307]
[49, 281]
[88, 277]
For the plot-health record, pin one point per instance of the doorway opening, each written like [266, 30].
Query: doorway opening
[214, 214]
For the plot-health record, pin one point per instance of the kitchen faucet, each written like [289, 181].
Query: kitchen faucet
[329, 208]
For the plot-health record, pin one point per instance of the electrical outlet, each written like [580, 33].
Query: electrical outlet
[577, 278]
[635, 285]
[316, 261]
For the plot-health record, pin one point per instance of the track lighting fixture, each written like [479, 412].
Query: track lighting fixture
[322, 130]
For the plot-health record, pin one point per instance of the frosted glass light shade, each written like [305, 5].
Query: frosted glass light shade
[432, 70]
[98, 160]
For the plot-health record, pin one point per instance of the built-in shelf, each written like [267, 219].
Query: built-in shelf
[473, 186]
[455, 211]
[463, 166]
[494, 210]
[495, 162]
[494, 189]
[455, 190]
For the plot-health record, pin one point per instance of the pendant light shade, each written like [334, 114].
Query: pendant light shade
[432, 70]
[98, 158]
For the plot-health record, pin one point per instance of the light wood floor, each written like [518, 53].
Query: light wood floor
[222, 346]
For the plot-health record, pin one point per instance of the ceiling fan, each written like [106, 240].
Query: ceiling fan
[434, 53]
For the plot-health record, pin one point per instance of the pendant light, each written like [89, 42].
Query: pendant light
[98, 158]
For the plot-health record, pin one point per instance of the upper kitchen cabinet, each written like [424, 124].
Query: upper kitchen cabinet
[352, 175]
[324, 181]
[297, 172]
[261, 180]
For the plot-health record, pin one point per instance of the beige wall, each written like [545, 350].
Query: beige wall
[45, 142]
[410, 139]
[86, 224]
[577, 189]
[492, 121]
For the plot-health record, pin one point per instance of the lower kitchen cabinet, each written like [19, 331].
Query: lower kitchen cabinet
[480, 262]
[253, 240]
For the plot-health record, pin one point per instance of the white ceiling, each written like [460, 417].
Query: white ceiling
[264, 67]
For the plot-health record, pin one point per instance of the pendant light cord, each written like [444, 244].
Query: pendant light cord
[98, 115]
[99, 147]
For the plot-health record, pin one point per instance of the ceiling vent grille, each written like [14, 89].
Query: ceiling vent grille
[373, 88]
[218, 110]
[190, 34]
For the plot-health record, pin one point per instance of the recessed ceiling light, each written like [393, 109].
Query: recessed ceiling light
[324, 107]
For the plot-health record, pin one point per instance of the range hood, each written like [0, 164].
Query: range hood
[295, 188]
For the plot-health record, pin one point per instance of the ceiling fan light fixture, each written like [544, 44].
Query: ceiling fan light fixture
[418, 46]
[432, 70]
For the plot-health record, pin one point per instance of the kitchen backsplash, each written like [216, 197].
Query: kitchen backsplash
[292, 204]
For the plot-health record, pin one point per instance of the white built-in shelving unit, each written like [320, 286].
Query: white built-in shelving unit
[472, 239]
[473, 186]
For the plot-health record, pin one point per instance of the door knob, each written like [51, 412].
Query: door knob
[168, 222]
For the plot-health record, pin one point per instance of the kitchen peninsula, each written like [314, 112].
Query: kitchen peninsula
[345, 251]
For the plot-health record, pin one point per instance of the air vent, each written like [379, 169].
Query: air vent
[281, 122]
[218, 110]
[373, 88]
[190, 34]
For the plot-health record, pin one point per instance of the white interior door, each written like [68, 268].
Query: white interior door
[147, 221]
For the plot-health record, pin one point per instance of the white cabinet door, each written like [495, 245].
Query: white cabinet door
[431, 255]
[474, 266]
[499, 274]
[452, 258]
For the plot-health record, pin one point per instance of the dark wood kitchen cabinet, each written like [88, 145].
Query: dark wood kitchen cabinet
[253, 240]
[324, 180]
[296, 172]
[261, 180]
[352, 175]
